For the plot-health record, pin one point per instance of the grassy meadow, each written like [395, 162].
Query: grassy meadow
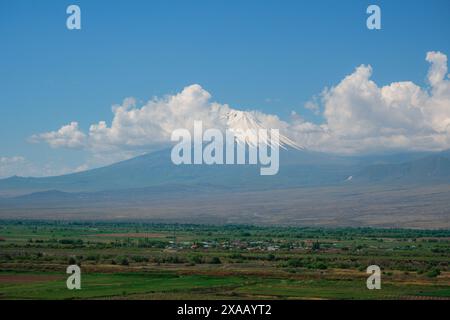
[138, 260]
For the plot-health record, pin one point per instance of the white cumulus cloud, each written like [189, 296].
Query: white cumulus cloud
[358, 116]
[154, 122]
[68, 136]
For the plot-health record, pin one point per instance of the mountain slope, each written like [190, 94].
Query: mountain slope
[408, 190]
[297, 168]
[432, 168]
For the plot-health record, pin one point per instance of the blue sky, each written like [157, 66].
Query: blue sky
[271, 56]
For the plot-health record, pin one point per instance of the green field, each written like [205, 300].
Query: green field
[131, 260]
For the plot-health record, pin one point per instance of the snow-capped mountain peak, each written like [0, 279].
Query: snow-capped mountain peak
[245, 127]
